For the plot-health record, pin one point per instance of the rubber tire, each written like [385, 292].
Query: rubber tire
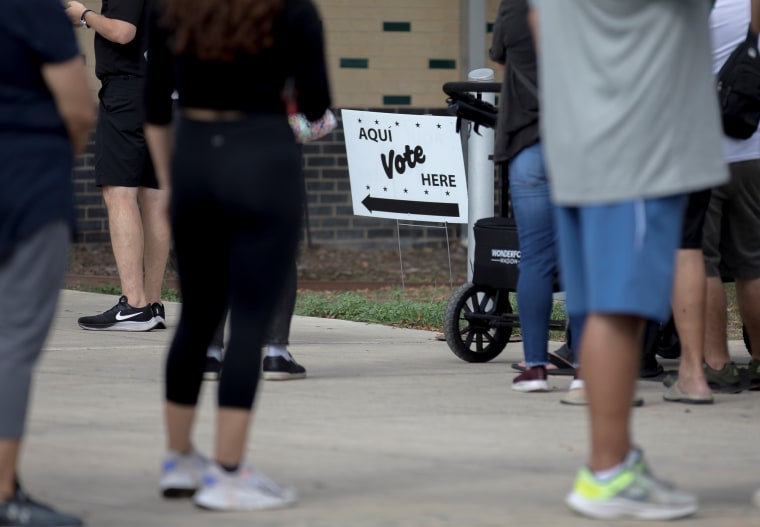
[476, 342]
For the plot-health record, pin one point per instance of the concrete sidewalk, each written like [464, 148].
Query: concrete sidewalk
[389, 429]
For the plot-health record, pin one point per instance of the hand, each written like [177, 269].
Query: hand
[74, 11]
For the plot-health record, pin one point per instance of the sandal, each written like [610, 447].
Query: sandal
[562, 358]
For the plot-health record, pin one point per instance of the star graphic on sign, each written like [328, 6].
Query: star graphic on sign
[439, 126]
[418, 125]
[448, 193]
[427, 192]
[377, 122]
[367, 187]
[406, 191]
[385, 189]
[359, 120]
[397, 123]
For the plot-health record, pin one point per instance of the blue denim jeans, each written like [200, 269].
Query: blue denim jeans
[534, 216]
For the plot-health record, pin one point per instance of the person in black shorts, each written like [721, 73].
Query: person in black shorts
[732, 249]
[136, 207]
[689, 304]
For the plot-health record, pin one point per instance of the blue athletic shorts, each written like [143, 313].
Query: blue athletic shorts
[619, 258]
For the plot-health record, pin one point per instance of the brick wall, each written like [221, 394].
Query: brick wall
[331, 221]
[92, 219]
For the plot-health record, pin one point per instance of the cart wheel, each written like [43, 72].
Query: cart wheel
[471, 338]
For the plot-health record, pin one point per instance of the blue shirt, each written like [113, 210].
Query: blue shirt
[35, 152]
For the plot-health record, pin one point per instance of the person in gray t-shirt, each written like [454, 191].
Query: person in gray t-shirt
[630, 125]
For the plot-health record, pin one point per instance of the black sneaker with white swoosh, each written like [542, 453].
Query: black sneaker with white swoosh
[121, 317]
[159, 313]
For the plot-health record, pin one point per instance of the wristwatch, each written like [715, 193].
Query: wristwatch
[82, 19]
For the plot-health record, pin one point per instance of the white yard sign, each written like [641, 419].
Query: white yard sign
[406, 167]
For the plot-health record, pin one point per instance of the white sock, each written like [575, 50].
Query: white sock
[608, 474]
[634, 454]
[215, 352]
[274, 350]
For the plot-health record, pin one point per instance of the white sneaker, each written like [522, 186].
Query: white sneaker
[634, 492]
[181, 475]
[244, 490]
[576, 395]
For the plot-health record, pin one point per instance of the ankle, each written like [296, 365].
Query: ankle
[8, 492]
[716, 365]
[182, 450]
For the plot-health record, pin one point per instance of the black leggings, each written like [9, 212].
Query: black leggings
[236, 211]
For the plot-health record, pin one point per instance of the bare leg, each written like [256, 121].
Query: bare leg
[231, 435]
[179, 426]
[125, 225]
[9, 452]
[610, 356]
[689, 298]
[716, 340]
[153, 205]
[748, 298]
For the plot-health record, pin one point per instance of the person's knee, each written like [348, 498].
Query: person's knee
[153, 196]
[115, 197]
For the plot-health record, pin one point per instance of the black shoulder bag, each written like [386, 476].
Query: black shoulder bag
[739, 89]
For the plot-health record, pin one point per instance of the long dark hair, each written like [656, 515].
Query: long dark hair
[218, 29]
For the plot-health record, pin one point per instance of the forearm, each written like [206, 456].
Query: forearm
[160, 144]
[67, 83]
[111, 29]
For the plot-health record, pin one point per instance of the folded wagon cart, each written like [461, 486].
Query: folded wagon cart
[479, 318]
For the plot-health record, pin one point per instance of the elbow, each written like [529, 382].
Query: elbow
[123, 34]
[124, 37]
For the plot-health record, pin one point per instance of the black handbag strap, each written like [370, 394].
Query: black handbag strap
[751, 35]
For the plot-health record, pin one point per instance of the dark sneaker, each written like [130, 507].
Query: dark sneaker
[282, 369]
[724, 380]
[121, 317]
[753, 370]
[213, 369]
[650, 367]
[531, 380]
[21, 510]
[159, 314]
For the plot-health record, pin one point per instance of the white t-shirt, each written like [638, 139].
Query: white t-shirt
[728, 24]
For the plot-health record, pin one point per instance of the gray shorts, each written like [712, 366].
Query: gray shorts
[30, 279]
[732, 226]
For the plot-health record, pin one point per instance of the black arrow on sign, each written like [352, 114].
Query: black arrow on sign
[423, 208]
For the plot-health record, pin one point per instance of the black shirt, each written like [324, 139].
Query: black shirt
[123, 59]
[517, 122]
[248, 83]
[35, 152]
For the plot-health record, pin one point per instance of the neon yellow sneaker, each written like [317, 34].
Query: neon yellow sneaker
[633, 493]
